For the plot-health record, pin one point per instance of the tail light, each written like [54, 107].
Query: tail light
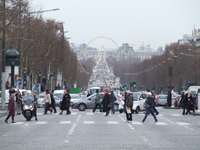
[119, 99]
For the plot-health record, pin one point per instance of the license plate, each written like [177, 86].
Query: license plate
[163, 103]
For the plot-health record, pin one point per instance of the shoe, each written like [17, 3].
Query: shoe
[55, 112]
[13, 122]
[156, 121]
[36, 119]
[157, 113]
[60, 113]
[44, 114]
[142, 121]
[6, 121]
[18, 114]
[51, 111]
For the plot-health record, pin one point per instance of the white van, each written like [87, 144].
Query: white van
[93, 90]
[194, 90]
[7, 95]
[59, 93]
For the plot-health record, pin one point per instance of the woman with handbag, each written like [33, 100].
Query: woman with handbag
[65, 104]
[149, 101]
[129, 105]
[106, 103]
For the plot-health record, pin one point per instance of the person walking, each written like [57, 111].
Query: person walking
[11, 108]
[88, 93]
[65, 104]
[18, 101]
[185, 103]
[12, 90]
[35, 95]
[97, 102]
[52, 102]
[47, 100]
[125, 100]
[129, 105]
[112, 101]
[149, 101]
[154, 106]
[106, 102]
[189, 103]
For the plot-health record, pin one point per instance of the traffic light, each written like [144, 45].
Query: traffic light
[134, 84]
[24, 77]
[124, 86]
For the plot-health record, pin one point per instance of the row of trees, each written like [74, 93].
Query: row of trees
[42, 44]
[154, 73]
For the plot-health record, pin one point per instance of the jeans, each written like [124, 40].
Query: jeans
[96, 105]
[124, 107]
[47, 108]
[113, 108]
[9, 117]
[149, 110]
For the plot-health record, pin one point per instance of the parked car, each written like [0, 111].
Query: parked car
[87, 103]
[161, 100]
[74, 97]
[40, 99]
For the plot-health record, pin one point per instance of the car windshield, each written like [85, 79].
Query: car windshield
[136, 96]
[92, 91]
[162, 96]
[41, 95]
[60, 95]
[75, 96]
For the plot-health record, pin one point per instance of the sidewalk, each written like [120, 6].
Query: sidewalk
[3, 111]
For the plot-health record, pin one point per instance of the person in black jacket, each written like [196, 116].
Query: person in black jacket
[149, 101]
[88, 93]
[65, 104]
[189, 103]
[52, 102]
[105, 102]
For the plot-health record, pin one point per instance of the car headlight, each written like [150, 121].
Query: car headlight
[26, 107]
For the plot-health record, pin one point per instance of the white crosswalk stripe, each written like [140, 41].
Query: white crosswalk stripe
[88, 122]
[65, 122]
[41, 122]
[17, 123]
[137, 123]
[160, 123]
[112, 122]
[176, 115]
[183, 123]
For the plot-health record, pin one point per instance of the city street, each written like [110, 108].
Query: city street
[87, 130]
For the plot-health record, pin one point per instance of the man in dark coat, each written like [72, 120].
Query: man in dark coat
[12, 90]
[65, 104]
[11, 108]
[129, 105]
[185, 103]
[52, 102]
[125, 94]
[105, 102]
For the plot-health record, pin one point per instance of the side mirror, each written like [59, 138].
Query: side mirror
[89, 98]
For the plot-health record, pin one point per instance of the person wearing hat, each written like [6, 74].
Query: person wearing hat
[129, 105]
[112, 100]
[149, 101]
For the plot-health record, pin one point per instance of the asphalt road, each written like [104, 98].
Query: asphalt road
[85, 131]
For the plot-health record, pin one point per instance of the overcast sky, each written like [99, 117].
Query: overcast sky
[154, 22]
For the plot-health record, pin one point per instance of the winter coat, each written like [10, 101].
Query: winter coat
[52, 100]
[11, 107]
[65, 103]
[112, 98]
[98, 99]
[105, 102]
[12, 91]
[47, 98]
[129, 101]
[150, 101]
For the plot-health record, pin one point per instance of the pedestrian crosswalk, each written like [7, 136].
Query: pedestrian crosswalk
[134, 123]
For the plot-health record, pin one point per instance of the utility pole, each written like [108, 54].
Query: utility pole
[3, 76]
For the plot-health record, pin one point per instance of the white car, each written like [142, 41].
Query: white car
[138, 102]
[40, 99]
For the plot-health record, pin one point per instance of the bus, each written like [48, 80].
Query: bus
[108, 88]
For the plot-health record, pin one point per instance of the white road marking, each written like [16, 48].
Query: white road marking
[73, 113]
[5, 135]
[90, 113]
[88, 122]
[66, 141]
[17, 123]
[160, 123]
[131, 127]
[183, 123]
[137, 123]
[65, 122]
[113, 122]
[41, 122]
[176, 115]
